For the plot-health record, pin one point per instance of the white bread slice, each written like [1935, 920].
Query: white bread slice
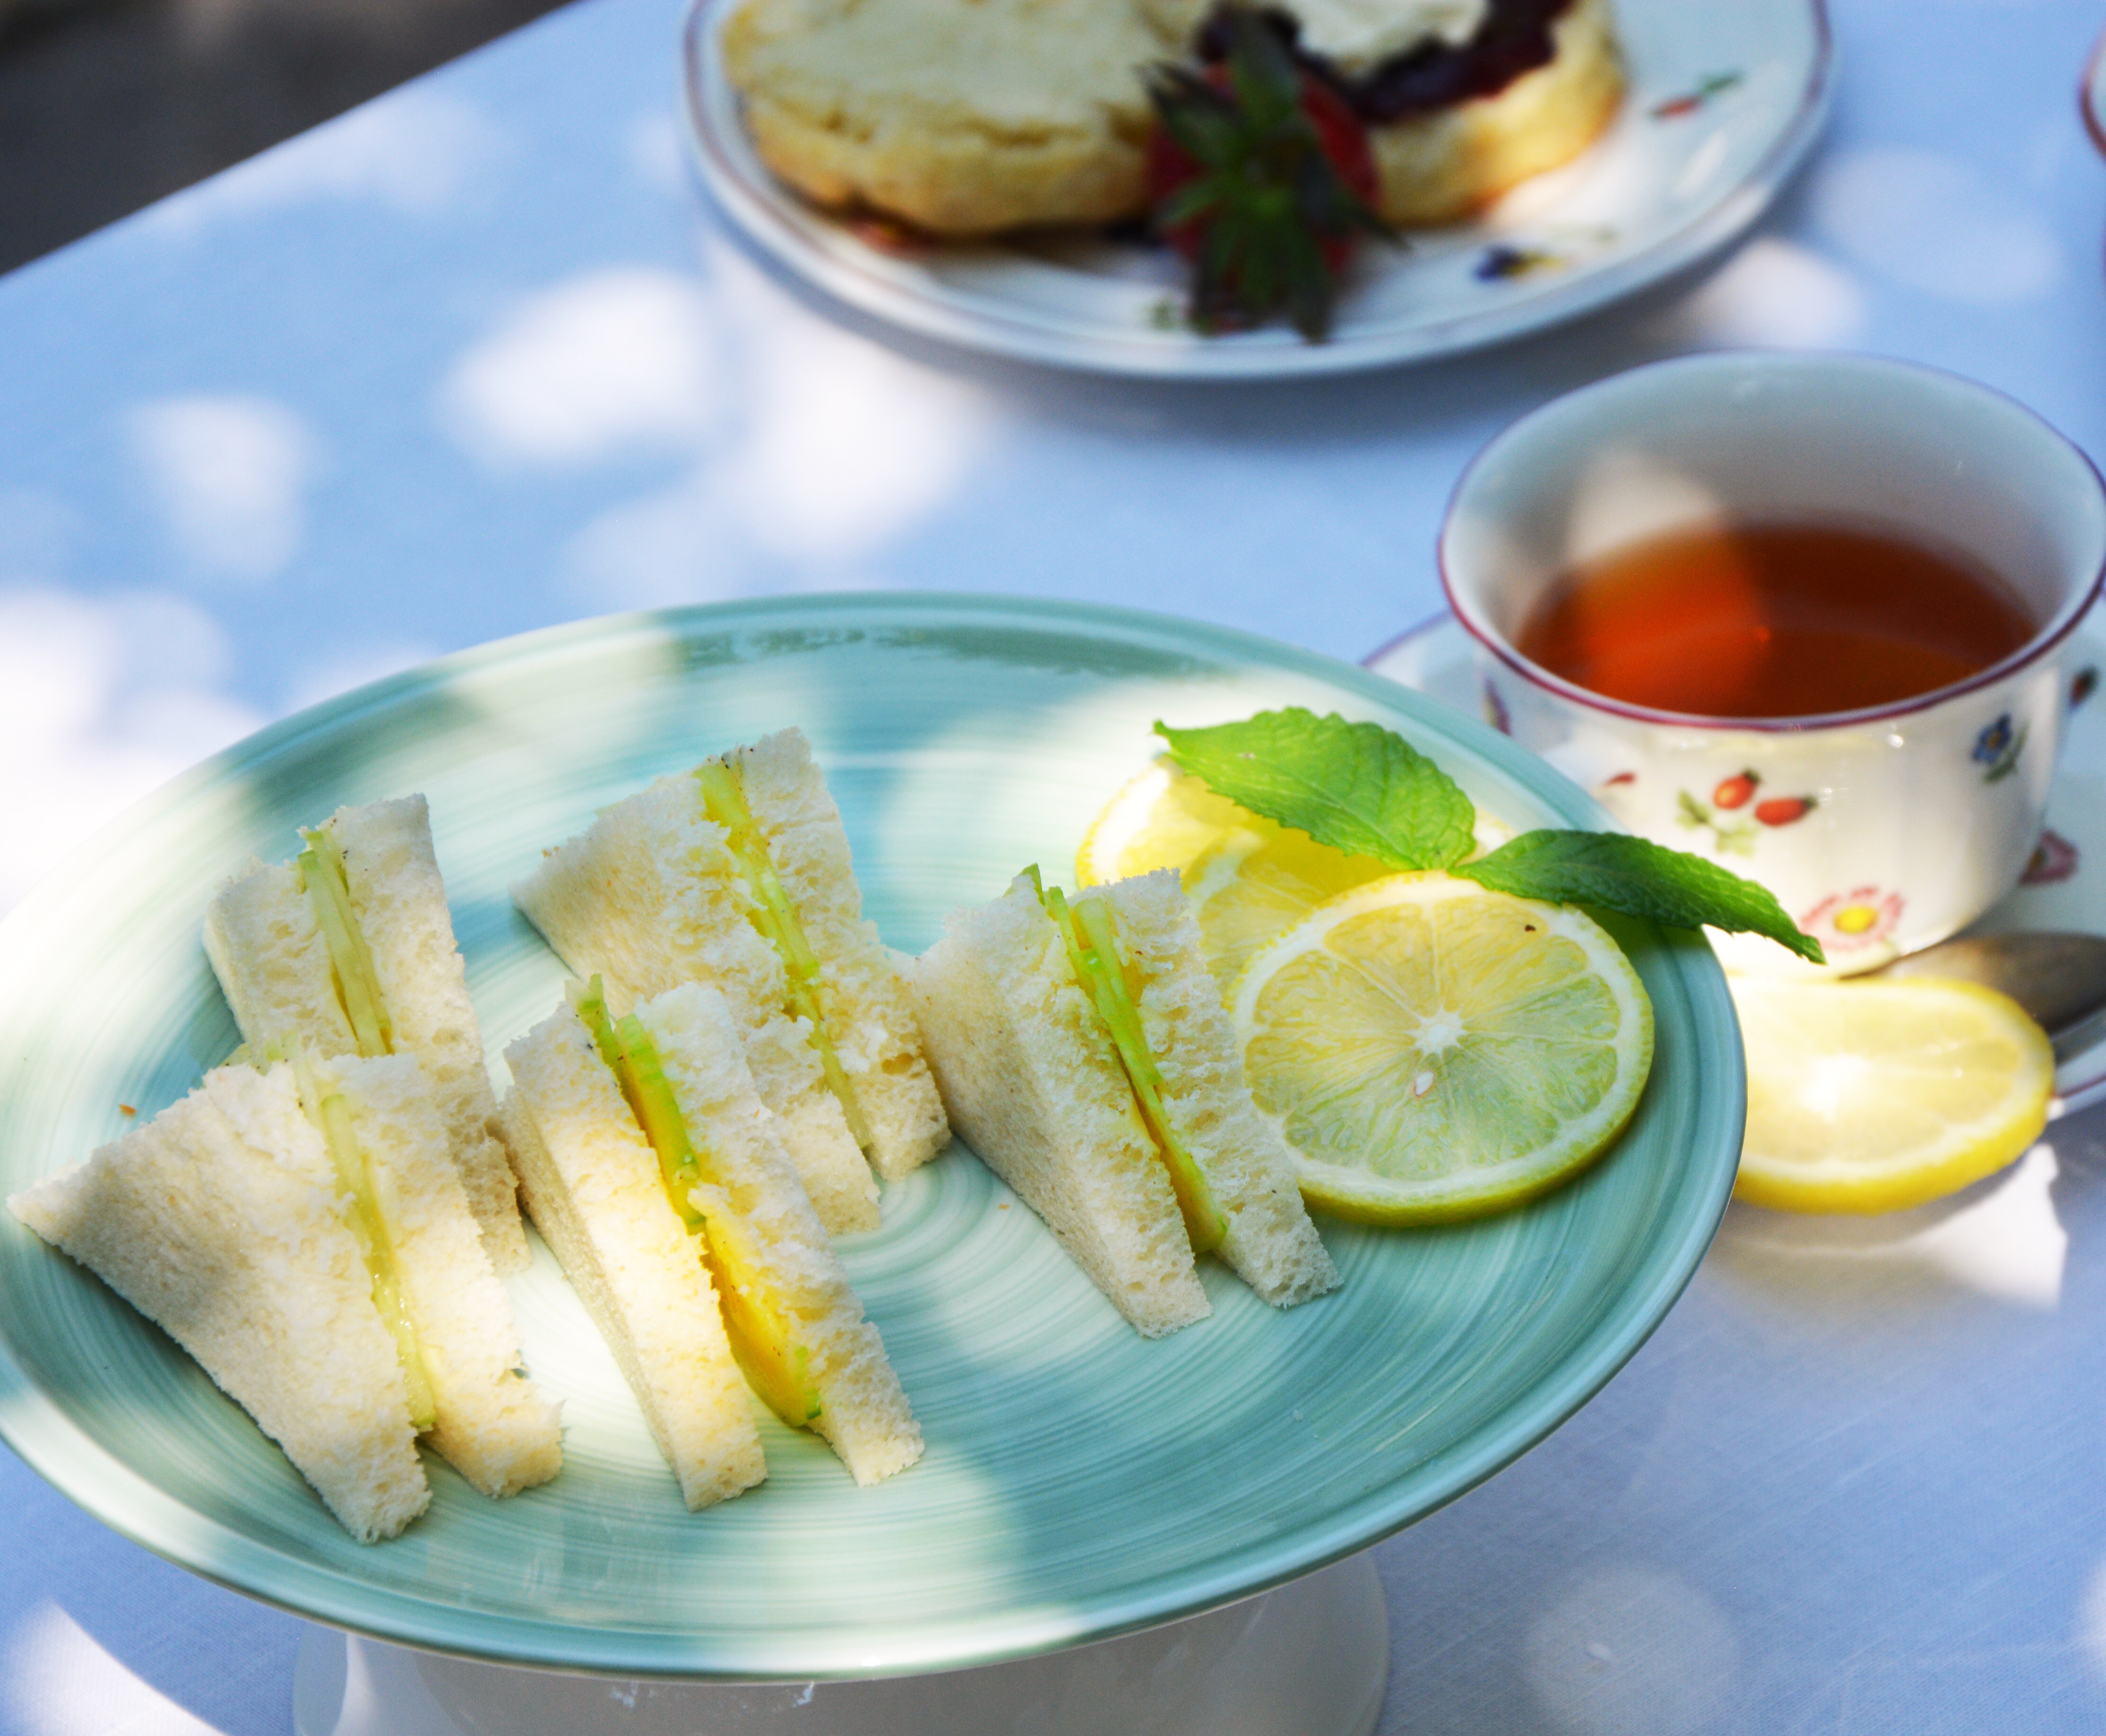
[1030, 1079]
[864, 1414]
[591, 1183]
[268, 953]
[1271, 1245]
[875, 1034]
[492, 1426]
[219, 1220]
[648, 898]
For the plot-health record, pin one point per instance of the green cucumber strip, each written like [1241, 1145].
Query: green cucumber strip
[320, 868]
[657, 1112]
[760, 1344]
[591, 1006]
[1101, 971]
[775, 917]
[368, 1222]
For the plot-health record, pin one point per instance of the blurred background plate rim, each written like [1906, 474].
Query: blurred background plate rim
[820, 251]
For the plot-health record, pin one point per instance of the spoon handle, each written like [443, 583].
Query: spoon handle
[2060, 979]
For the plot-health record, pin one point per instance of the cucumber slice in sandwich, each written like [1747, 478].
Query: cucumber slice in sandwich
[651, 1168]
[761, 1331]
[358, 1185]
[1084, 1052]
[350, 949]
[738, 875]
[316, 1274]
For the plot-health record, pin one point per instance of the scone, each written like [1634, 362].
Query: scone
[965, 117]
[1461, 99]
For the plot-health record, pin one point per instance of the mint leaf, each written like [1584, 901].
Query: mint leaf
[1358, 787]
[1613, 871]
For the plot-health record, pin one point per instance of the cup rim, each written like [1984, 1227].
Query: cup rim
[2057, 628]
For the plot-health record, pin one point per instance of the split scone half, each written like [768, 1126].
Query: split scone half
[350, 949]
[738, 875]
[1463, 100]
[1043, 1080]
[965, 117]
[652, 1169]
[301, 1231]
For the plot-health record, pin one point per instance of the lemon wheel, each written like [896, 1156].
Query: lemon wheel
[1869, 1097]
[1431, 1050]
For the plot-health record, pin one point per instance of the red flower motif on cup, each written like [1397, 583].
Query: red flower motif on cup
[1850, 921]
[1785, 810]
[1737, 790]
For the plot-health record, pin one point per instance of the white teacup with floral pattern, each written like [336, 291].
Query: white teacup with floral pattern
[1880, 830]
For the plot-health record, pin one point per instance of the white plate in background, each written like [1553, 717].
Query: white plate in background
[1724, 98]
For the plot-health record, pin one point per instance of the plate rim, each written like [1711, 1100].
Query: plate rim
[72, 1460]
[759, 216]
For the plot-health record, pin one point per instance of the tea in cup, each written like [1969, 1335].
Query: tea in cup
[1801, 614]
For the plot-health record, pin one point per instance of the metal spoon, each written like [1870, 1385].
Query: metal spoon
[2060, 979]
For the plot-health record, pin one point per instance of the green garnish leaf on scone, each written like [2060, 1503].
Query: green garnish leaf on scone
[1358, 787]
[1363, 789]
[1261, 175]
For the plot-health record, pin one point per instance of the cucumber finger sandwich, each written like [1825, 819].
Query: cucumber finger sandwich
[301, 1232]
[737, 874]
[350, 949]
[1084, 1053]
[651, 1168]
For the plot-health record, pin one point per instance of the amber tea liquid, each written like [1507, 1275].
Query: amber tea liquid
[1758, 619]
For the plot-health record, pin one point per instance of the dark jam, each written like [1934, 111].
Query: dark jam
[1514, 39]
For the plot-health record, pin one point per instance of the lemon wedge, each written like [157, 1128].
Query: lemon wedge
[1869, 1097]
[1431, 1050]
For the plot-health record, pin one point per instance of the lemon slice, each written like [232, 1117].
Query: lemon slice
[1249, 878]
[1871, 1096]
[1431, 1050]
[1252, 884]
[1161, 819]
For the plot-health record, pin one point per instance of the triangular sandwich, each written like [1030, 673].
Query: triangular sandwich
[1083, 1051]
[738, 875]
[301, 1232]
[350, 947]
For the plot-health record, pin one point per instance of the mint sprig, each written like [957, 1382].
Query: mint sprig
[1363, 789]
[1358, 787]
[1614, 870]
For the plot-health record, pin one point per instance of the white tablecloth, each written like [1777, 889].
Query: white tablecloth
[476, 358]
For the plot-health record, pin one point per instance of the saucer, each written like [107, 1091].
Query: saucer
[2064, 885]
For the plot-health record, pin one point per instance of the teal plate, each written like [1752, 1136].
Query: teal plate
[1078, 1481]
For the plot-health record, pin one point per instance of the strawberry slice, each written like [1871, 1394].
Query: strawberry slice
[1260, 174]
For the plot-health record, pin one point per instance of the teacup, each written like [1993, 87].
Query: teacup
[1884, 829]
